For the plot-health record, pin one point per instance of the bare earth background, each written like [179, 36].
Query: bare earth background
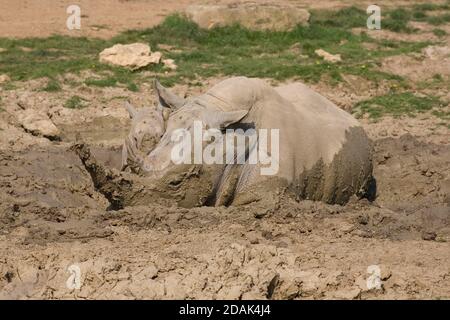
[51, 216]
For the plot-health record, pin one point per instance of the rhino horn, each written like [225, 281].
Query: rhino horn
[167, 98]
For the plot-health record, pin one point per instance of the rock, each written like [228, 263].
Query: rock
[347, 294]
[429, 235]
[2, 50]
[38, 123]
[386, 272]
[170, 63]
[328, 56]
[253, 237]
[133, 56]
[437, 52]
[252, 15]
[310, 282]
[233, 293]
[4, 78]
[155, 57]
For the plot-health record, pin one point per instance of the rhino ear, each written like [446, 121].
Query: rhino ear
[131, 110]
[166, 97]
[221, 120]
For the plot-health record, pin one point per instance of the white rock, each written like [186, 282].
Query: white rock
[328, 56]
[170, 63]
[4, 78]
[37, 123]
[133, 56]
[437, 52]
[256, 16]
[155, 57]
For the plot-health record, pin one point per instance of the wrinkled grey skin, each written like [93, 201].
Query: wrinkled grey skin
[324, 153]
[152, 128]
[182, 116]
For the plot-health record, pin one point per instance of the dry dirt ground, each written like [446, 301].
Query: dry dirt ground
[51, 216]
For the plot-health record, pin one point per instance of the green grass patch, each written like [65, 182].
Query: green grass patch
[396, 104]
[52, 86]
[437, 81]
[238, 51]
[439, 19]
[75, 102]
[444, 115]
[222, 51]
[346, 18]
[133, 87]
[397, 20]
[119, 77]
[106, 82]
[431, 6]
[439, 32]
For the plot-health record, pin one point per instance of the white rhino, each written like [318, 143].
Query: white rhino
[324, 153]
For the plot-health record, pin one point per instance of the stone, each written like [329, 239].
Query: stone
[253, 237]
[437, 52]
[170, 63]
[429, 235]
[4, 78]
[328, 56]
[347, 294]
[38, 123]
[155, 57]
[253, 15]
[133, 56]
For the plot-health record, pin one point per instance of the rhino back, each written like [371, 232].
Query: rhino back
[237, 93]
[324, 154]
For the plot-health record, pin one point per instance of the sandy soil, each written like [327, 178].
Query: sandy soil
[52, 217]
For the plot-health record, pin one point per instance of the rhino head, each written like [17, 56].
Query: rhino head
[182, 115]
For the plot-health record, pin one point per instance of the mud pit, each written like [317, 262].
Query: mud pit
[51, 217]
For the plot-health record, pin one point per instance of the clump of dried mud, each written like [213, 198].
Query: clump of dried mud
[52, 217]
